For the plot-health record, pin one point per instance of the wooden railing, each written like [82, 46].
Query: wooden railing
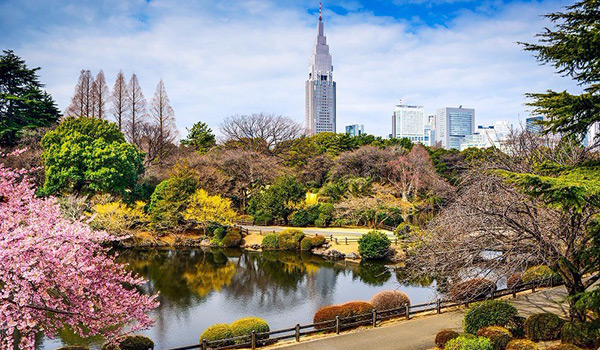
[374, 318]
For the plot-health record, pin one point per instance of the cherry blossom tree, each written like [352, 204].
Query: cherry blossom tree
[54, 273]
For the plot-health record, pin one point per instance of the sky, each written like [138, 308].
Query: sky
[221, 58]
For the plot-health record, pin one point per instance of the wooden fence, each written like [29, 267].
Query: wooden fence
[255, 340]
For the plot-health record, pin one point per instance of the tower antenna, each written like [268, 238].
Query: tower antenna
[320, 12]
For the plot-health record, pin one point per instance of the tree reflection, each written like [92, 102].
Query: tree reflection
[373, 272]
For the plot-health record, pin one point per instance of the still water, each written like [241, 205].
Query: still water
[200, 288]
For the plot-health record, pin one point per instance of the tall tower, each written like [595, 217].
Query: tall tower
[320, 87]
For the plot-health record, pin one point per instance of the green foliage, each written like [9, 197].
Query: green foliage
[131, 342]
[498, 336]
[290, 239]
[245, 326]
[170, 200]
[219, 331]
[463, 342]
[488, 313]
[543, 326]
[582, 334]
[88, 156]
[23, 103]
[262, 218]
[306, 243]
[521, 344]
[199, 137]
[444, 336]
[318, 241]
[373, 245]
[280, 199]
[74, 347]
[220, 232]
[301, 218]
[232, 239]
[540, 275]
[325, 215]
[270, 242]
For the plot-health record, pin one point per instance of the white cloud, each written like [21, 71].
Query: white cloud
[249, 57]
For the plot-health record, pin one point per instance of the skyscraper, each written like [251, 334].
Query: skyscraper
[320, 87]
[407, 121]
[532, 124]
[453, 125]
[355, 129]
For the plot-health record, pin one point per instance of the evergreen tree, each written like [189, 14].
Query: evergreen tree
[23, 103]
[200, 137]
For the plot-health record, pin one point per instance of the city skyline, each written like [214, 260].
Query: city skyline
[220, 60]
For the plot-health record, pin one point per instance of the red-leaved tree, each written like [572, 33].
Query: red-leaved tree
[55, 273]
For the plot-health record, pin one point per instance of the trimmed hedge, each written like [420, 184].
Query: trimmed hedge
[463, 342]
[328, 313]
[563, 347]
[318, 241]
[472, 289]
[270, 242]
[130, 342]
[521, 344]
[306, 243]
[582, 334]
[489, 313]
[498, 336]
[289, 239]
[389, 299]
[219, 331]
[444, 336]
[374, 245]
[232, 240]
[541, 275]
[245, 326]
[543, 326]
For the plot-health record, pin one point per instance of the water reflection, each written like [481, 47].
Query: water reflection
[201, 287]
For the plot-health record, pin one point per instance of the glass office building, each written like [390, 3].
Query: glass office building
[453, 125]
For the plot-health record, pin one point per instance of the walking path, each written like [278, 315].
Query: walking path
[419, 333]
[335, 231]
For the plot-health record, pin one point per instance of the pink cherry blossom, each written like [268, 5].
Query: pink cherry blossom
[56, 273]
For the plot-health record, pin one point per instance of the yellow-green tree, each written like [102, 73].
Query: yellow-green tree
[204, 209]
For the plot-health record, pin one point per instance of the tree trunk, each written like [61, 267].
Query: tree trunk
[574, 285]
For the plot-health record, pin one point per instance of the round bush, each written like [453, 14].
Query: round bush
[514, 281]
[306, 243]
[232, 240]
[301, 218]
[74, 347]
[290, 239]
[544, 326]
[540, 275]
[347, 310]
[563, 347]
[469, 343]
[582, 334]
[498, 336]
[219, 331]
[269, 242]
[489, 313]
[521, 344]
[318, 241]
[389, 299]
[517, 327]
[444, 336]
[245, 326]
[130, 342]
[472, 289]
[326, 313]
[373, 245]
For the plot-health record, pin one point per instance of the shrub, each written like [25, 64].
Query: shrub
[169, 201]
[489, 313]
[582, 334]
[301, 218]
[290, 239]
[563, 347]
[325, 214]
[472, 289]
[117, 217]
[74, 347]
[389, 299]
[130, 342]
[245, 326]
[517, 327]
[521, 344]
[219, 331]
[320, 222]
[469, 343]
[514, 281]
[544, 326]
[306, 243]
[220, 232]
[269, 242]
[328, 313]
[540, 275]
[232, 239]
[373, 245]
[498, 336]
[262, 218]
[444, 336]
[318, 241]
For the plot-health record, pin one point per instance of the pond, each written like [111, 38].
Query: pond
[199, 288]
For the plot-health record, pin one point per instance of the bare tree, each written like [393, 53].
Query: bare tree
[164, 119]
[101, 95]
[120, 102]
[264, 133]
[137, 112]
[82, 103]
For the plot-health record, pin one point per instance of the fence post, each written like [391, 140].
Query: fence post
[337, 324]
[336, 240]
[204, 347]
[551, 282]
[493, 295]
[374, 318]
[396, 241]
[514, 290]
[297, 331]
[439, 306]
[330, 238]
[407, 310]
[533, 288]
[346, 239]
[253, 339]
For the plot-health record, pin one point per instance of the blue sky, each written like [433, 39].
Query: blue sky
[219, 58]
